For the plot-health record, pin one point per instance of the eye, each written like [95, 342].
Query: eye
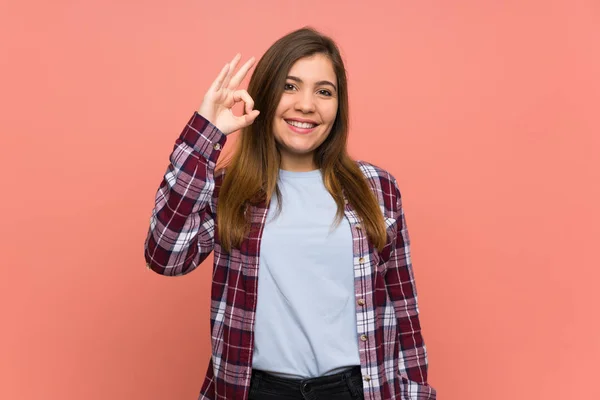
[289, 86]
[325, 92]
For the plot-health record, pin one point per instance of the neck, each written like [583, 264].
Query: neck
[303, 163]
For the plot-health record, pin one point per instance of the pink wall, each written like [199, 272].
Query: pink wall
[487, 113]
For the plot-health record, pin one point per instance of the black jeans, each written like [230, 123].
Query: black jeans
[343, 386]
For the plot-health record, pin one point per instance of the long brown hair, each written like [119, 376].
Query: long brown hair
[253, 169]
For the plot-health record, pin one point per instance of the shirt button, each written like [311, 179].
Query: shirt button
[345, 201]
[361, 302]
[363, 338]
[367, 378]
[362, 259]
[358, 227]
[217, 146]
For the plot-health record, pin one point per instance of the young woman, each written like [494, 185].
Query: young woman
[313, 294]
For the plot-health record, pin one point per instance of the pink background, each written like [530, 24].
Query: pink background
[485, 111]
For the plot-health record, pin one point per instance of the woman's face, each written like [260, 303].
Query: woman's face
[306, 111]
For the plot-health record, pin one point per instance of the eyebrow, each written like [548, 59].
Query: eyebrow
[296, 79]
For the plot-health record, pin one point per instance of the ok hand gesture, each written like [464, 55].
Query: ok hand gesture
[223, 95]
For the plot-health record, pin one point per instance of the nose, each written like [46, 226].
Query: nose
[305, 103]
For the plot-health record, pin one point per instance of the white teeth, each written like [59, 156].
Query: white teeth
[301, 124]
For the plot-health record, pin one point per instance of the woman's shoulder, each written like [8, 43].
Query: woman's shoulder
[376, 174]
[383, 184]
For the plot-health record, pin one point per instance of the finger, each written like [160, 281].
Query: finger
[241, 74]
[232, 66]
[218, 83]
[248, 119]
[242, 95]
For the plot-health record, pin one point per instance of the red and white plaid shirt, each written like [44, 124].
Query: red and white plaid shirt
[182, 234]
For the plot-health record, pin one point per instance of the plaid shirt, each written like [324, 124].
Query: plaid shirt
[182, 234]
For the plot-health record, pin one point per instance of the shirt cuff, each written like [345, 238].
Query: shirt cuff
[205, 138]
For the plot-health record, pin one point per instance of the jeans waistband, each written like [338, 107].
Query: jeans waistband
[289, 383]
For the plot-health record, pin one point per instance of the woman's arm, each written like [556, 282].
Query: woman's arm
[182, 226]
[401, 288]
[181, 233]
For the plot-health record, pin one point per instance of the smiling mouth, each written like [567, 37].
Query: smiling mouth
[301, 125]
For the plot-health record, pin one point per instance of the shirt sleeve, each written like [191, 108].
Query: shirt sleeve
[400, 283]
[182, 223]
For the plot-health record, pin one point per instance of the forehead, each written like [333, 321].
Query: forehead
[315, 68]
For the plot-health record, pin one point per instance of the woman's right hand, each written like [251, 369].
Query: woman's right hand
[223, 95]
